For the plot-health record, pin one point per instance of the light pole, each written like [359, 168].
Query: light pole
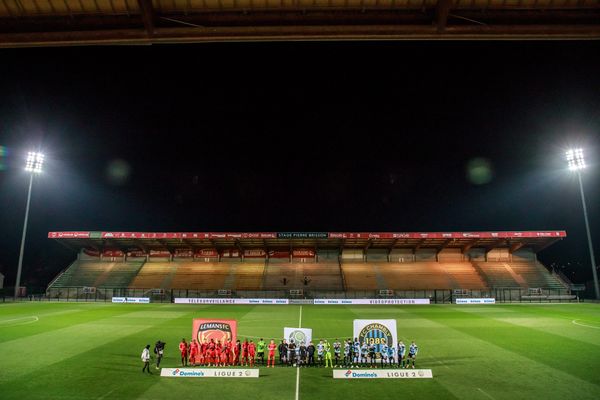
[33, 166]
[576, 163]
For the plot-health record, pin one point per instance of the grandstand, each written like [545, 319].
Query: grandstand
[311, 263]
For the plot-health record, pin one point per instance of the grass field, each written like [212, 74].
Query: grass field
[91, 351]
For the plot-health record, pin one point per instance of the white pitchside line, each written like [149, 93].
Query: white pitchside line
[587, 326]
[487, 394]
[32, 319]
[298, 369]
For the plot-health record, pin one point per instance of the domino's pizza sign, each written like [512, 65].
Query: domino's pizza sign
[382, 374]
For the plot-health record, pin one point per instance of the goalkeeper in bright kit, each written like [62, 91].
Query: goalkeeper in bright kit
[328, 361]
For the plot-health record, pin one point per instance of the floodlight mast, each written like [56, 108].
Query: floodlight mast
[33, 165]
[576, 163]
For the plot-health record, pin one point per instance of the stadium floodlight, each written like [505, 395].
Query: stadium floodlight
[575, 159]
[576, 163]
[33, 165]
[34, 162]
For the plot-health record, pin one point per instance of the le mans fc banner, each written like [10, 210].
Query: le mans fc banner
[376, 331]
[217, 329]
[298, 335]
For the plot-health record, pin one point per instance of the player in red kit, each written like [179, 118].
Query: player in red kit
[202, 352]
[218, 349]
[251, 352]
[224, 354]
[193, 352]
[210, 353]
[271, 359]
[237, 352]
[245, 353]
[183, 348]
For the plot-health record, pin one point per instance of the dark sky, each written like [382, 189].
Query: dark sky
[298, 137]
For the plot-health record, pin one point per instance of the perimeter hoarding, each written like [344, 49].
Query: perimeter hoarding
[220, 330]
[209, 373]
[371, 301]
[376, 332]
[382, 374]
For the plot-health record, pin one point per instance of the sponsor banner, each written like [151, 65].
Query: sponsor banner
[307, 235]
[160, 253]
[91, 252]
[68, 235]
[255, 253]
[220, 330]
[476, 301]
[231, 253]
[376, 331]
[201, 300]
[209, 372]
[112, 253]
[279, 254]
[382, 373]
[298, 335]
[184, 253]
[136, 253]
[300, 253]
[144, 300]
[210, 253]
[371, 301]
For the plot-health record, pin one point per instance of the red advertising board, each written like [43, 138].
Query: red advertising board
[112, 253]
[211, 253]
[279, 254]
[255, 253]
[303, 253]
[217, 329]
[160, 253]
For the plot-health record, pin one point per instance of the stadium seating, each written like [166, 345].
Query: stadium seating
[322, 276]
[326, 275]
[98, 274]
[154, 275]
[201, 276]
[519, 274]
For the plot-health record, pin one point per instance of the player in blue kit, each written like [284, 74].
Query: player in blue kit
[356, 352]
[364, 350]
[412, 354]
[391, 354]
[400, 353]
[383, 353]
[347, 353]
[337, 351]
[321, 352]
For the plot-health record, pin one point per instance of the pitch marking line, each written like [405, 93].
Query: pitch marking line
[489, 396]
[587, 326]
[27, 320]
[298, 369]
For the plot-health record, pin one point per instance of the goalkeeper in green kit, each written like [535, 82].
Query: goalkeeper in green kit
[260, 351]
[328, 360]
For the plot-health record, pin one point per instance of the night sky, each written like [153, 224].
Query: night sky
[298, 137]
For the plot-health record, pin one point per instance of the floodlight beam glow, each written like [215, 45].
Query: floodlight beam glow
[575, 159]
[34, 162]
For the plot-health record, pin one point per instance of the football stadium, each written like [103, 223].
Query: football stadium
[489, 319]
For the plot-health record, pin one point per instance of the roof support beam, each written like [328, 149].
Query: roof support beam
[369, 243]
[515, 246]
[469, 245]
[443, 246]
[495, 244]
[147, 15]
[442, 11]
[418, 246]
[548, 243]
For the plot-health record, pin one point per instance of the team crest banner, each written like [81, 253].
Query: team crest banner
[298, 335]
[217, 329]
[376, 331]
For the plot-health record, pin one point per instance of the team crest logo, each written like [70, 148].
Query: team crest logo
[376, 334]
[297, 337]
[218, 331]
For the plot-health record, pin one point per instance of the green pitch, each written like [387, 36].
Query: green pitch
[92, 351]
